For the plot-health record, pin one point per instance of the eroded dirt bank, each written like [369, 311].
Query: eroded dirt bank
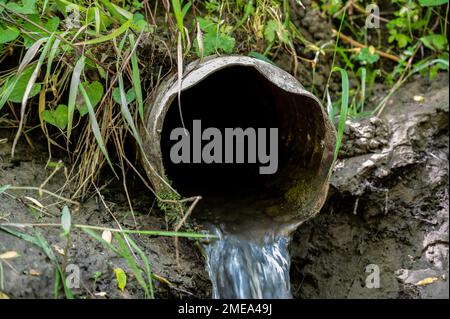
[388, 206]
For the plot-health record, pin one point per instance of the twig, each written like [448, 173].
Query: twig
[57, 167]
[360, 45]
[43, 190]
[360, 9]
[195, 200]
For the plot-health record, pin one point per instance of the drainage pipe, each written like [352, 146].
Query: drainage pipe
[237, 91]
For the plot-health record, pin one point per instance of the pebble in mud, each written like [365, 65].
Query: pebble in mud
[364, 136]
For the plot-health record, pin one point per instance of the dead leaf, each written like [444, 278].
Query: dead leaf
[107, 236]
[9, 255]
[418, 98]
[427, 281]
[34, 272]
[100, 294]
[59, 250]
[34, 201]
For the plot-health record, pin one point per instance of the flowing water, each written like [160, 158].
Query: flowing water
[242, 266]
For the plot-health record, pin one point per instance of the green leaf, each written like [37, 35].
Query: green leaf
[139, 23]
[402, 40]
[435, 42]
[269, 30]
[66, 221]
[432, 3]
[52, 164]
[21, 85]
[130, 95]
[366, 56]
[207, 25]
[27, 7]
[213, 43]
[58, 117]
[8, 34]
[225, 43]
[121, 278]
[95, 94]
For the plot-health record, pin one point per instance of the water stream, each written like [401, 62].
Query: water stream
[241, 267]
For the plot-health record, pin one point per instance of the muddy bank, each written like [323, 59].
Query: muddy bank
[388, 206]
[31, 275]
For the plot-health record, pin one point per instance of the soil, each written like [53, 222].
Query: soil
[388, 206]
[31, 275]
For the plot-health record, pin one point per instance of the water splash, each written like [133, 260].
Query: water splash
[242, 268]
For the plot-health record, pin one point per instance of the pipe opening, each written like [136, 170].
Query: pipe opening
[240, 96]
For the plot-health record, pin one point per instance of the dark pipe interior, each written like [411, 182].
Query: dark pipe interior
[240, 96]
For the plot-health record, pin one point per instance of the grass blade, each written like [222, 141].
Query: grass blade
[62, 277]
[94, 125]
[144, 258]
[128, 256]
[136, 78]
[44, 6]
[28, 88]
[126, 112]
[330, 109]
[124, 27]
[51, 57]
[176, 5]
[97, 21]
[29, 55]
[75, 81]
[344, 109]
[4, 188]
[113, 11]
[180, 76]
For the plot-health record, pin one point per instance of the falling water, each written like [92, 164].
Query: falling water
[248, 267]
